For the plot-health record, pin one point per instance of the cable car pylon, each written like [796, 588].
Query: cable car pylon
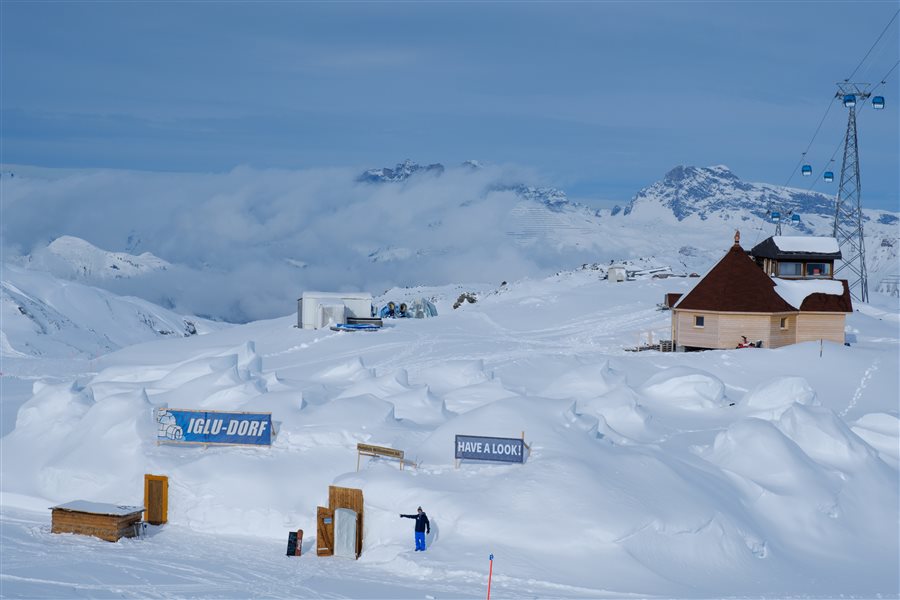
[848, 217]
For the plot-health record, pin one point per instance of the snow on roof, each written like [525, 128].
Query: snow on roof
[99, 508]
[800, 243]
[794, 292]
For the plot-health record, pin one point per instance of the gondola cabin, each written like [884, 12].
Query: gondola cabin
[878, 102]
[806, 171]
[829, 176]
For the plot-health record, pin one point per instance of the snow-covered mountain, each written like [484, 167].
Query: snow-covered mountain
[74, 258]
[49, 317]
[252, 240]
[705, 191]
[401, 172]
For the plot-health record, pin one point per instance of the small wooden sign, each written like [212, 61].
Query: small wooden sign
[382, 451]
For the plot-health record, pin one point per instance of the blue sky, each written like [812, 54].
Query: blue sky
[600, 98]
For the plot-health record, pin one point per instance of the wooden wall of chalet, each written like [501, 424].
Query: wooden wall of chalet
[779, 337]
[724, 330]
[754, 326]
[821, 326]
[106, 527]
[698, 337]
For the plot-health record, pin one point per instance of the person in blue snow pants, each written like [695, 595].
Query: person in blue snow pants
[422, 527]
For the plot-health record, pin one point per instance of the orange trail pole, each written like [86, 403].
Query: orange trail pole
[490, 574]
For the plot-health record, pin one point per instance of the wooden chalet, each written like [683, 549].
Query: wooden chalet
[740, 296]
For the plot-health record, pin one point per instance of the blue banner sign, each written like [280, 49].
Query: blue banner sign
[476, 447]
[213, 427]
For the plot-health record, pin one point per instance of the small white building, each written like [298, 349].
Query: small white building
[616, 273]
[322, 309]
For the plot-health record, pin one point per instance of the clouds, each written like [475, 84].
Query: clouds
[235, 239]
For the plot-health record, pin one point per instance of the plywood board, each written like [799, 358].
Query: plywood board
[156, 499]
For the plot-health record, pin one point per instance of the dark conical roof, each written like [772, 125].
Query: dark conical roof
[735, 284]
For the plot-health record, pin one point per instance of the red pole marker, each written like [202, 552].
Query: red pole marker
[490, 574]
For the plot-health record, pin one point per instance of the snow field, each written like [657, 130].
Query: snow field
[643, 478]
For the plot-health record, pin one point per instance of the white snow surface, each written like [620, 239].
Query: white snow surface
[99, 508]
[799, 243]
[795, 291]
[763, 473]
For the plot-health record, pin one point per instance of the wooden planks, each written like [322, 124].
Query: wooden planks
[352, 498]
[105, 527]
[324, 531]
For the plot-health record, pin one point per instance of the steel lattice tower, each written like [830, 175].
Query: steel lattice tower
[848, 218]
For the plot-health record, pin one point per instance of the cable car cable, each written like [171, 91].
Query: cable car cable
[877, 40]
[873, 46]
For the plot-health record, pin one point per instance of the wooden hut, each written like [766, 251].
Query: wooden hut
[106, 521]
[738, 298]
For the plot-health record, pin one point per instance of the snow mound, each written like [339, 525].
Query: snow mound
[779, 481]
[583, 382]
[882, 432]
[472, 396]
[824, 437]
[382, 386]
[621, 411]
[684, 387]
[771, 398]
[75, 430]
[451, 375]
[352, 370]
[420, 406]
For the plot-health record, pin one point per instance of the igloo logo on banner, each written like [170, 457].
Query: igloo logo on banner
[176, 426]
[477, 447]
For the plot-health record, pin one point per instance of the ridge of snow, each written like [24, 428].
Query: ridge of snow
[815, 244]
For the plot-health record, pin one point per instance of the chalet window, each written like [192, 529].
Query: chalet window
[698, 321]
[818, 269]
[784, 323]
[790, 269]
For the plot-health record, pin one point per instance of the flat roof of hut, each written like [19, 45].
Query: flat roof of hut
[786, 247]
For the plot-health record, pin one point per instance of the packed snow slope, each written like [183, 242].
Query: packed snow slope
[749, 472]
[241, 245]
[46, 316]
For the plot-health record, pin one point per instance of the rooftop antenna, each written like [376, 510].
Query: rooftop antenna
[848, 217]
